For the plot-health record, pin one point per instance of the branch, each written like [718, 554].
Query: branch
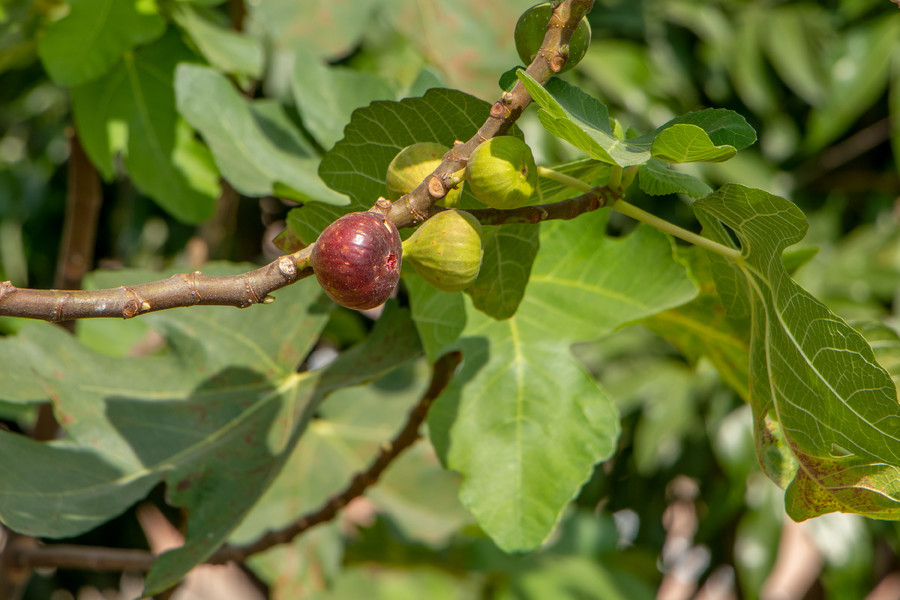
[29, 556]
[255, 286]
[184, 289]
[598, 197]
[418, 205]
[245, 289]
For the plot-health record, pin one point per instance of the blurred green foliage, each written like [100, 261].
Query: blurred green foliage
[820, 82]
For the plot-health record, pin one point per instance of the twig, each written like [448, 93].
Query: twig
[443, 371]
[591, 200]
[28, 556]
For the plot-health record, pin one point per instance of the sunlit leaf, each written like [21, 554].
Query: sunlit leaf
[326, 96]
[88, 41]
[250, 161]
[826, 413]
[688, 143]
[523, 422]
[131, 110]
[702, 328]
[228, 50]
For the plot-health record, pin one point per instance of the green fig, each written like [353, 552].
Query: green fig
[412, 165]
[501, 172]
[446, 250]
[532, 27]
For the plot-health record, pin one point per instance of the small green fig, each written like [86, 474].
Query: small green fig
[532, 27]
[412, 165]
[446, 250]
[501, 172]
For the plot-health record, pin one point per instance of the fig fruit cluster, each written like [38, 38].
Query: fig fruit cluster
[532, 27]
[357, 260]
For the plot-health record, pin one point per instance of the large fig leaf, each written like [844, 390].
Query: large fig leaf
[826, 413]
[88, 41]
[131, 110]
[523, 422]
[215, 417]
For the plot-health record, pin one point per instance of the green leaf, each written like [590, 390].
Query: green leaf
[658, 179]
[523, 422]
[794, 39]
[439, 316]
[575, 117]
[826, 412]
[326, 96]
[702, 328]
[724, 127]
[509, 251]
[250, 161]
[858, 77]
[328, 29]
[347, 432]
[131, 110]
[229, 51]
[570, 114]
[215, 417]
[357, 164]
[95, 34]
[688, 143]
[749, 71]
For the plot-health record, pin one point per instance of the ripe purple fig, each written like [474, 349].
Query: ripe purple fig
[357, 260]
[532, 27]
[501, 172]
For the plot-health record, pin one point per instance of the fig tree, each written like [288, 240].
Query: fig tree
[532, 27]
[446, 250]
[413, 164]
[501, 172]
[357, 260]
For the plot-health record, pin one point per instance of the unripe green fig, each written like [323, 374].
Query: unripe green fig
[446, 250]
[532, 27]
[413, 164]
[501, 172]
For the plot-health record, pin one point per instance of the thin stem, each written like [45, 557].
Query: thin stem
[644, 217]
[572, 182]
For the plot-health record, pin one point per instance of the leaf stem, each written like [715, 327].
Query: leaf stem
[643, 216]
[572, 182]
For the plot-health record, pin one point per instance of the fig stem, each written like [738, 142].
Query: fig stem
[643, 216]
[572, 182]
